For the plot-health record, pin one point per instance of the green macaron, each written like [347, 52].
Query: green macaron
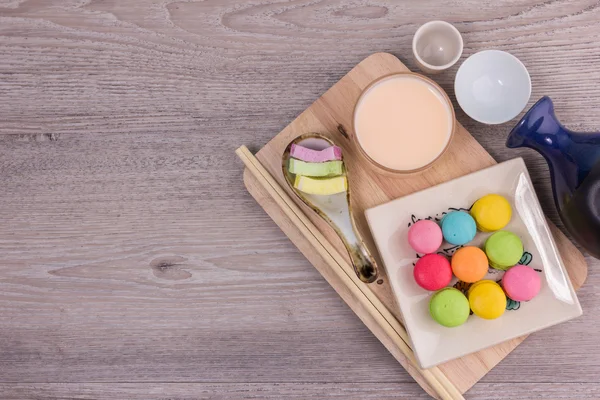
[504, 250]
[449, 307]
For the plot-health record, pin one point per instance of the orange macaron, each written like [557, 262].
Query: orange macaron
[469, 264]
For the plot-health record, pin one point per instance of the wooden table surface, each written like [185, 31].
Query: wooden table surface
[134, 263]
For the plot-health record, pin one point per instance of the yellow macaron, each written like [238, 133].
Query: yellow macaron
[491, 213]
[487, 299]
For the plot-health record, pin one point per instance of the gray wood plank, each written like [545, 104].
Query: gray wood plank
[244, 391]
[130, 249]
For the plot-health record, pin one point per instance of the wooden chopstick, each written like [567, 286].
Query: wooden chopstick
[377, 310]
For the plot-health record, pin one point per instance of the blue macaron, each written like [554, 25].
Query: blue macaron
[458, 227]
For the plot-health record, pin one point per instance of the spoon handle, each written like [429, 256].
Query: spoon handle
[362, 261]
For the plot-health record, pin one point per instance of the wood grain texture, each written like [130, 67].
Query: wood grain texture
[127, 253]
[277, 391]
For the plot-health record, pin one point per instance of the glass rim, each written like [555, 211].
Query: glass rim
[426, 80]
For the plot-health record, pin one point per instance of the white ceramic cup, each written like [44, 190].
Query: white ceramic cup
[437, 45]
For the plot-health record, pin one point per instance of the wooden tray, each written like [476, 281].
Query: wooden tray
[331, 115]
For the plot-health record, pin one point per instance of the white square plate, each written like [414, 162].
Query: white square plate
[432, 343]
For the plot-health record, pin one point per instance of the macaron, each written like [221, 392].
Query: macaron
[425, 236]
[469, 264]
[458, 227]
[432, 272]
[504, 249]
[521, 283]
[487, 299]
[449, 307]
[491, 212]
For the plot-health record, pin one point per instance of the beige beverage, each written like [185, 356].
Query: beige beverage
[403, 122]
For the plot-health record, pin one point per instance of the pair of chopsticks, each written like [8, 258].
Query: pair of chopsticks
[377, 310]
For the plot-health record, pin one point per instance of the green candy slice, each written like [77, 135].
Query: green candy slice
[316, 170]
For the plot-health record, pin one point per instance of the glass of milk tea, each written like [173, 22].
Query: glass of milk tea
[403, 122]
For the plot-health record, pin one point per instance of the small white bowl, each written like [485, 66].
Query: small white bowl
[492, 86]
[437, 45]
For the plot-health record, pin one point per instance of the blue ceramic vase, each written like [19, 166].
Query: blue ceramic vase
[574, 161]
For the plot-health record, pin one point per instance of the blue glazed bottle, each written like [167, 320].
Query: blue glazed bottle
[574, 161]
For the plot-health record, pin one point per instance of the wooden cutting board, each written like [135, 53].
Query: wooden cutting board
[331, 115]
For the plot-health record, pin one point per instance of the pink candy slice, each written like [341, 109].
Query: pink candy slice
[332, 153]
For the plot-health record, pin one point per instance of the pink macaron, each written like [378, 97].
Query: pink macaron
[433, 272]
[425, 236]
[521, 283]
